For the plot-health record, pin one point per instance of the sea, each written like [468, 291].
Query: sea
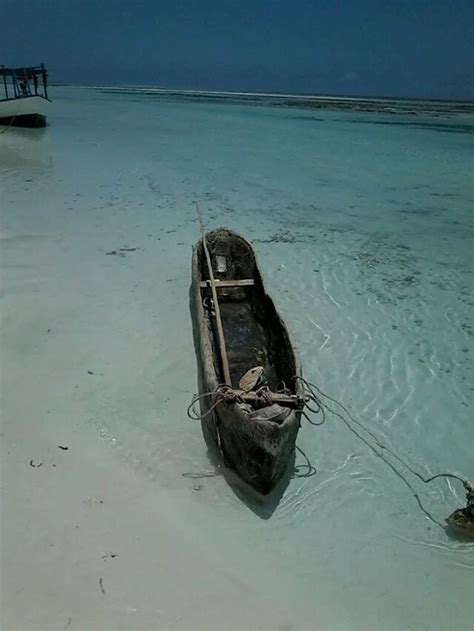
[361, 215]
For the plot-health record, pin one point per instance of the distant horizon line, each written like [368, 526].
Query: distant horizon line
[295, 95]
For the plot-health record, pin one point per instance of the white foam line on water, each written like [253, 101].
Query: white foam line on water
[331, 298]
[395, 413]
[451, 488]
[459, 548]
[326, 336]
[299, 498]
[360, 361]
[275, 95]
[417, 419]
[392, 372]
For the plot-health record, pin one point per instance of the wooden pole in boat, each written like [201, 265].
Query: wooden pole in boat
[220, 330]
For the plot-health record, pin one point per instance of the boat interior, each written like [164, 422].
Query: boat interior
[254, 334]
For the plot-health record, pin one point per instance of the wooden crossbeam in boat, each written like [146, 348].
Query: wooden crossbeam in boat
[244, 282]
[290, 401]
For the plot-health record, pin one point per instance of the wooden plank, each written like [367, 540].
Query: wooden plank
[220, 330]
[285, 400]
[244, 282]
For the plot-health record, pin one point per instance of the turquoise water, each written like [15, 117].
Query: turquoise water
[364, 230]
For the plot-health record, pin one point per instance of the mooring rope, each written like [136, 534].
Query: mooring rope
[221, 392]
[198, 476]
[377, 440]
[314, 395]
[311, 470]
[312, 387]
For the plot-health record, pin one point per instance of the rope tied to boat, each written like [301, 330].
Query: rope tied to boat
[311, 396]
[315, 403]
[264, 397]
[221, 393]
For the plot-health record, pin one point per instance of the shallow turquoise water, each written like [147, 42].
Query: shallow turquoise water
[363, 227]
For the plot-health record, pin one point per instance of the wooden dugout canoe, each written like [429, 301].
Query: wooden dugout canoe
[256, 439]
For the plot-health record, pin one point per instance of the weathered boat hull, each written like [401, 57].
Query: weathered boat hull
[256, 444]
[24, 112]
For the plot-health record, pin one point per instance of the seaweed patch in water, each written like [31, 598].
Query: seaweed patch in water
[309, 119]
[286, 237]
[419, 211]
[395, 265]
[437, 127]
[444, 195]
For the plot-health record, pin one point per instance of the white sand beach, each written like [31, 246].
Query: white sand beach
[87, 541]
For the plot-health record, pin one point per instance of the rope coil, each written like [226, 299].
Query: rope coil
[222, 393]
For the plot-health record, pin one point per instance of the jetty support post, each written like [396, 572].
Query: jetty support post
[5, 84]
[45, 80]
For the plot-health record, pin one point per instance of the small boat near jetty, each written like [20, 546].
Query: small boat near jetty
[251, 394]
[25, 100]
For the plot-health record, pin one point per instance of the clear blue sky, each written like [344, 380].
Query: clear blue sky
[420, 48]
